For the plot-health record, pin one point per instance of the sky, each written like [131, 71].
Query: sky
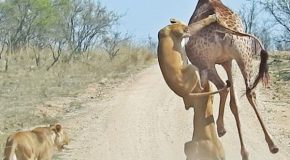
[145, 18]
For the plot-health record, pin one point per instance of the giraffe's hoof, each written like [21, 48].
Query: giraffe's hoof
[220, 127]
[221, 131]
[274, 149]
[245, 157]
[245, 154]
[228, 83]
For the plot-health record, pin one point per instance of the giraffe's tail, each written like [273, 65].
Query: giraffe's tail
[263, 71]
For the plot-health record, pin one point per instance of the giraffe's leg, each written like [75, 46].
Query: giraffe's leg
[234, 108]
[203, 78]
[251, 95]
[218, 82]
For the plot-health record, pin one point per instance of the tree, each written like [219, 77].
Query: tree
[111, 43]
[280, 10]
[265, 35]
[38, 22]
[249, 14]
[23, 20]
[72, 26]
[84, 21]
[255, 23]
[151, 44]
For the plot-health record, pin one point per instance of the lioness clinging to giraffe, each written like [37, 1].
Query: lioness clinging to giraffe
[220, 43]
[183, 80]
[180, 77]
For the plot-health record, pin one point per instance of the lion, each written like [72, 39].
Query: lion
[183, 80]
[37, 144]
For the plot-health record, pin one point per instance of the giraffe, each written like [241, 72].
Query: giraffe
[221, 43]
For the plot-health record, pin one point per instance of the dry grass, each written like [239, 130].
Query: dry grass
[284, 55]
[25, 87]
[276, 100]
[279, 65]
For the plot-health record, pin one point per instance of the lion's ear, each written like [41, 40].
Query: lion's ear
[56, 127]
[175, 21]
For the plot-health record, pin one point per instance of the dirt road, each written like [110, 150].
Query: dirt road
[143, 120]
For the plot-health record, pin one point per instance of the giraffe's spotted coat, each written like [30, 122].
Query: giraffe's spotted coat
[215, 44]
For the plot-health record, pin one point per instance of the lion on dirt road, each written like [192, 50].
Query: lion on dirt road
[40, 143]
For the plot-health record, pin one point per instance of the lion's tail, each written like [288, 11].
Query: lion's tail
[9, 151]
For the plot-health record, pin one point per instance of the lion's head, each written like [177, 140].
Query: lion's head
[61, 138]
[176, 30]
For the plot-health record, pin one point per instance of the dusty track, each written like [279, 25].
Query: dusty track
[144, 120]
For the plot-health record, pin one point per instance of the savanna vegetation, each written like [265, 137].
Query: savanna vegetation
[269, 20]
[56, 48]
